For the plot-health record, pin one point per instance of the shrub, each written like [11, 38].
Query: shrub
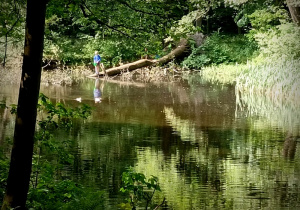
[138, 188]
[282, 42]
[264, 19]
[221, 49]
[4, 166]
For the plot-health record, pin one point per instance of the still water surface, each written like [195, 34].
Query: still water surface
[207, 151]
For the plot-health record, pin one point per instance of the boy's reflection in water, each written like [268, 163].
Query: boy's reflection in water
[97, 91]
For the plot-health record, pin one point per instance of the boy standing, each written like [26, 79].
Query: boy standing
[97, 60]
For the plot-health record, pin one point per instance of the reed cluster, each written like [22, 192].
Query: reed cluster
[223, 73]
[278, 80]
[278, 111]
[65, 76]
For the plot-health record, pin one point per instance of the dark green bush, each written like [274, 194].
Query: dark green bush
[219, 49]
[4, 166]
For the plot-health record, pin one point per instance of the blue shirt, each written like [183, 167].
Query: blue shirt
[97, 58]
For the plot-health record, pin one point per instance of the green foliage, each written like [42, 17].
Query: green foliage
[89, 199]
[63, 194]
[11, 18]
[223, 73]
[185, 26]
[3, 104]
[52, 194]
[220, 49]
[11, 26]
[64, 115]
[13, 108]
[58, 117]
[119, 30]
[4, 166]
[112, 50]
[281, 42]
[138, 188]
[263, 20]
[48, 191]
[64, 50]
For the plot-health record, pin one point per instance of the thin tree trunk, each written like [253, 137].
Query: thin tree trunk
[3, 125]
[294, 9]
[6, 37]
[177, 52]
[198, 22]
[5, 50]
[22, 150]
[207, 25]
[239, 30]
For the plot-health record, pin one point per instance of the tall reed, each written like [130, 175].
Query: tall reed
[223, 73]
[278, 80]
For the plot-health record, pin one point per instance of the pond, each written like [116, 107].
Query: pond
[207, 150]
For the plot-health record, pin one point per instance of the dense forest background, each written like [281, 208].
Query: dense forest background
[124, 31]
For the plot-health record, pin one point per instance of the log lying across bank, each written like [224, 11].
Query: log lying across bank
[177, 52]
[129, 67]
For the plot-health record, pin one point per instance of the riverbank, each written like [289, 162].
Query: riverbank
[70, 75]
[60, 76]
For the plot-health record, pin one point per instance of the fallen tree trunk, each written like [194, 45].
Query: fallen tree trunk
[177, 52]
[129, 67]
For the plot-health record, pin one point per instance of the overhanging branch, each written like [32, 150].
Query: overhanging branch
[83, 7]
[140, 11]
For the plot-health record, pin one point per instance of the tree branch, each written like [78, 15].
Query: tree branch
[83, 7]
[160, 204]
[140, 11]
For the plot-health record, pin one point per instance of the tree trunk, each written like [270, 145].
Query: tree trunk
[198, 22]
[239, 30]
[178, 52]
[5, 51]
[127, 67]
[294, 8]
[3, 124]
[22, 150]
